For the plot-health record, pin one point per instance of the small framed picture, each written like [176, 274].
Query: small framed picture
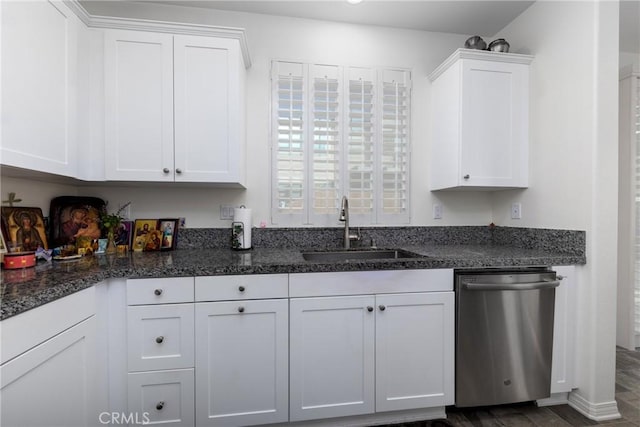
[25, 228]
[169, 229]
[141, 229]
[153, 242]
[123, 233]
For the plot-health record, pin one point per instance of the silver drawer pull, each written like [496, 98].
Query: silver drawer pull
[166, 170]
[241, 309]
[159, 339]
[158, 292]
[382, 307]
[241, 288]
[369, 308]
[159, 406]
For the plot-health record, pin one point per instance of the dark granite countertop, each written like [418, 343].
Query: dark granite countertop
[24, 289]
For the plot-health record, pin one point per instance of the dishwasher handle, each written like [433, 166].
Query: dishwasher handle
[527, 286]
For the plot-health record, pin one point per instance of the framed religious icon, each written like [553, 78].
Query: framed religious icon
[123, 234]
[25, 229]
[141, 229]
[72, 217]
[169, 229]
[154, 240]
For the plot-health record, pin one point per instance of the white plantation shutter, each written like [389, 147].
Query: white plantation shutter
[288, 148]
[324, 164]
[394, 141]
[360, 152]
[339, 131]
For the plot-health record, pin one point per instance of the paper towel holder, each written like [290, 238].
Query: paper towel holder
[240, 240]
[237, 235]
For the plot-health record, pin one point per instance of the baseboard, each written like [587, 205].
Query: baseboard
[595, 411]
[554, 399]
[379, 418]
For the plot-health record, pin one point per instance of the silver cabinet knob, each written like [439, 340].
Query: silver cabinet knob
[159, 339]
[369, 309]
[158, 292]
[159, 406]
[466, 176]
[241, 288]
[382, 307]
[240, 309]
[166, 170]
[178, 170]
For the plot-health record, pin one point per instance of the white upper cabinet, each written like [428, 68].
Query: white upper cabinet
[174, 108]
[139, 106]
[39, 95]
[480, 125]
[209, 109]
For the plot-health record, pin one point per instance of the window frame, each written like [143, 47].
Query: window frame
[306, 71]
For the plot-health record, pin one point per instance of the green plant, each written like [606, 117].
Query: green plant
[112, 221]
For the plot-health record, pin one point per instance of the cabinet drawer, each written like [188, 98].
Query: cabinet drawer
[159, 291]
[255, 286]
[164, 397]
[160, 337]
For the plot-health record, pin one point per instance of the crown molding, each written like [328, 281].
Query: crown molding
[484, 55]
[93, 21]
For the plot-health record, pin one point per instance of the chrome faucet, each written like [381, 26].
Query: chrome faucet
[344, 216]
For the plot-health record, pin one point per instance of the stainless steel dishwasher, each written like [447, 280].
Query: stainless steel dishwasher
[504, 335]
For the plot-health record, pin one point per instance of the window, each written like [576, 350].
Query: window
[340, 131]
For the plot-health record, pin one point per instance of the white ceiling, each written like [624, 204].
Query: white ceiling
[481, 17]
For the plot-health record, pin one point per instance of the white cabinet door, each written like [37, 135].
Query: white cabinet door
[494, 131]
[332, 357]
[242, 362]
[563, 363]
[480, 121]
[139, 106]
[207, 109]
[53, 383]
[39, 97]
[414, 350]
[161, 397]
[160, 337]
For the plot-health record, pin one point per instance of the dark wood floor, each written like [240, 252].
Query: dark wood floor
[525, 415]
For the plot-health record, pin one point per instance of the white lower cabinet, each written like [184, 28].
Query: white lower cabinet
[160, 351]
[161, 397]
[414, 351]
[332, 357]
[357, 355]
[52, 384]
[563, 363]
[160, 337]
[241, 362]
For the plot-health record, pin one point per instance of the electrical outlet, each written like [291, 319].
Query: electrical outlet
[226, 212]
[516, 211]
[437, 211]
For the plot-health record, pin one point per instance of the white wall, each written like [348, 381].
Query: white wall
[573, 152]
[630, 59]
[271, 37]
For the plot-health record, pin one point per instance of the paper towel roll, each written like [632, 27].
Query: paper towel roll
[242, 216]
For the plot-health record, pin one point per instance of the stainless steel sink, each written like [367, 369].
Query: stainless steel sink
[348, 255]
